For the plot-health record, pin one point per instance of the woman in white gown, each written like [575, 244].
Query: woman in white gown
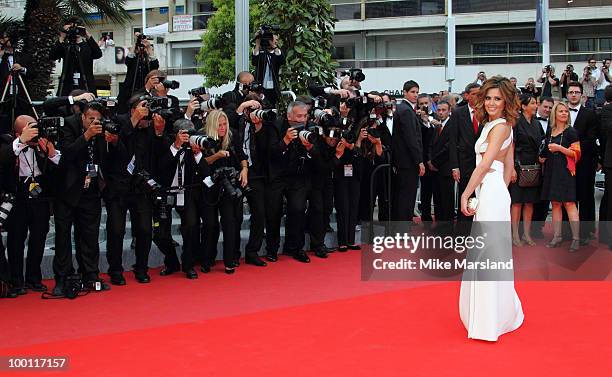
[490, 307]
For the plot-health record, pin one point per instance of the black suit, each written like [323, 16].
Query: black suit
[6, 185]
[138, 67]
[462, 154]
[169, 165]
[407, 154]
[77, 204]
[274, 61]
[125, 192]
[443, 183]
[87, 52]
[605, 209]
[588, 127]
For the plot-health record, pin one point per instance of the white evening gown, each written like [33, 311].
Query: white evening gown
[489, 309]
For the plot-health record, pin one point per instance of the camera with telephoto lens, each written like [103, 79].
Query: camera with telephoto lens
[207, 144]
[7, 201]
[355, 74]
[171, 84]
[358, 98]
[140, 39]
[48, 128]
[159, 105]
[229, 179]
[74, 31]
[309, 134]
[110, 125]
[349, 136]
[147, 183]
[267, 115]
[266, 34]
[211, 104]
[373, 131]
[197, 92]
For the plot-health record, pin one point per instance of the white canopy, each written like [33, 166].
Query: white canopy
[157, 31]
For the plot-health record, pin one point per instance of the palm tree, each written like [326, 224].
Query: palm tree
[42, 20]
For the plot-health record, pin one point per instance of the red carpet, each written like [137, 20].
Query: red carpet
[307, 320]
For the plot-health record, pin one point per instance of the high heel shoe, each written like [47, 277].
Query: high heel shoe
[574, 246]
[528, 241]
[555, 242]
[516, 242]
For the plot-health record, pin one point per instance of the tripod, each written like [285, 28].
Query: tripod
[12, 82]
[72, 55]
[142, 59]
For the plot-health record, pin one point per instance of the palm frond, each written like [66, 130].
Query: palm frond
[113, 9]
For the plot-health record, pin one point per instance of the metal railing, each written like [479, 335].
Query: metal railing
[556, 57]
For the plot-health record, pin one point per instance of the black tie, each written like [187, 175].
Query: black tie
[544, 119]
[575, 110]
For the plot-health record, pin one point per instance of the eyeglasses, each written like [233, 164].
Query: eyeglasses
[574, 92]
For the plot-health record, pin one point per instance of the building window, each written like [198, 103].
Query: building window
[505, 52]
[605, 44]
[382, 9]
[347, 11]
[581, 45]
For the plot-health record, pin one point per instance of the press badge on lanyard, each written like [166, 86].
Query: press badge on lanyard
[92, 172]
[348, 170]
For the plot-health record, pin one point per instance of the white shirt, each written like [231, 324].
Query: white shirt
[471, 110]
[599, 74]
[574, 114]
[180, 196]
[389, 122]
[543, 123]
[28, 166]
[246, 144]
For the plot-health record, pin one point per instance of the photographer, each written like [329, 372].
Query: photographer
[143, 140]
[252, 135]
[289, 176]
[31, 182]
[589, 84]
[480, 78]
[139, 61]
[566, 77]
[7, 188]
[13, 63]
[603, 80]
[180, 168]
[77, 49]
[530, 88]
[267, 59]
[85, 151]
[550, 83]
[220, 197]
[68, 105]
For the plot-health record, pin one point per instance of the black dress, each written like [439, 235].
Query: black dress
[558, 183]
[527, 140]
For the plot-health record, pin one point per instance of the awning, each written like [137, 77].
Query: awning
[157, 31]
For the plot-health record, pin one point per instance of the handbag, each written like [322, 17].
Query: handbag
[529, 175]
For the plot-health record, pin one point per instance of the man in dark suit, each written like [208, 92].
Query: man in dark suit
[407, 154]
[586, 122]
[267, 61]
[439, 165]
[6, 187]
[464, 129]
[85, 150]
[77, 51]
[15, 102]
[426, 116]
[139, 61]
[144, 140]
[33, 160]
[605, 210]
[180, 168]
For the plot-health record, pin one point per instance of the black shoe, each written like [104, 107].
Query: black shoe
[342, 249]
[60, 286]
[167, 271]
[229, 270]
[272, 257]
[19, 291]
[205, 269]
[301, 256]
[36, 287]
[142, 277]
[354, 247]
[191, 274]
[254, 260]
[117, 279]
[328, 249]
[321, 253]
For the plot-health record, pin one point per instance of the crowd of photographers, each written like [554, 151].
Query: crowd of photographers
[147, 155]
